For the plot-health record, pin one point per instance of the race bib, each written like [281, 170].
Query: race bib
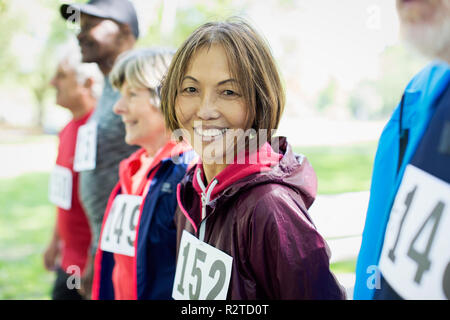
[86, 148]
[119, 232]
[203, 272]
[415, 259]
[60, 187]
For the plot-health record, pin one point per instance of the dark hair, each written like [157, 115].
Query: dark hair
[251, 64]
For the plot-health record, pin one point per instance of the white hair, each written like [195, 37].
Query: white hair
[432, 39]
[84, 71]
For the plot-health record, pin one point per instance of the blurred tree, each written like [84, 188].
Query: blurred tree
[31, 32]
[39, 77]
[2, 6]
[365, 102]
[29, 37]
[327, 96]
[174, 22]
[376, 99]
[8, 18]
[398, 65]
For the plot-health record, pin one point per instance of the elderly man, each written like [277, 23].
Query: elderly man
[78, 86]
[108, 28]
[405, 251]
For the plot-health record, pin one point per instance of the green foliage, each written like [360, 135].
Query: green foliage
[328, 95]
[2, 7]
[17, 19]
[8, 18]
[20, 21]
[398, 67]
[186, 20]
[375, 99]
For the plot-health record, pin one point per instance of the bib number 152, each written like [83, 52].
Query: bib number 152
[203, 272]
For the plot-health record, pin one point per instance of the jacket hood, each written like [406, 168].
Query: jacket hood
[245, 165]
[282, 167]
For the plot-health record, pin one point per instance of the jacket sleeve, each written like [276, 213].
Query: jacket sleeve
[287, 255]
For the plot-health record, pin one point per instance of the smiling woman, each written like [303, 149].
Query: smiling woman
[246, 220]
[245, 86]
[210, 103]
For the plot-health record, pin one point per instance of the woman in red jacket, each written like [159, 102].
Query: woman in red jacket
[135, 258]
[242, 224]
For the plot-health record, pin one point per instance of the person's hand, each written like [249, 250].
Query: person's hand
[50, 256]
[86, 279]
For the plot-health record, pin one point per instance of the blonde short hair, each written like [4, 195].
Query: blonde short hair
[251, 64]
[142, 68]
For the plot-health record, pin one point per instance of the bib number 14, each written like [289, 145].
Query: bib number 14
[203, 272]
[415, 259]
[119, 232]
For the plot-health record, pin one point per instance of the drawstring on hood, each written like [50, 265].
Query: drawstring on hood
[266, 159]
[286, 168]
[205, 198]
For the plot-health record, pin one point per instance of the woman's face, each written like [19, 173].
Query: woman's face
[143, 121]
[210, 106]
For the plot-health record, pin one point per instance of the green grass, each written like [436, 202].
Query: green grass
[341, 169]
[26, 221]
[347, 266]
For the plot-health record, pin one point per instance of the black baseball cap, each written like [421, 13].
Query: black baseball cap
[121, 11]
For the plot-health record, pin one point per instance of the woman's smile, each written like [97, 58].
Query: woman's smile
[209, 133]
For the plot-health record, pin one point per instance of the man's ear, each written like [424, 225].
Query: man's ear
[126, 38]
[125, 31]
[88, 83]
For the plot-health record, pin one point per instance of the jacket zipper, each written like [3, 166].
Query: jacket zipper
[205, 199]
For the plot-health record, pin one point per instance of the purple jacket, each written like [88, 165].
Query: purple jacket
[262, 222]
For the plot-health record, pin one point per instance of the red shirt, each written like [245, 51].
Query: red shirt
[133, 173]
[73, 226]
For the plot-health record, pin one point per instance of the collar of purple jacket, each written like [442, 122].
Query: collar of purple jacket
[276, 163]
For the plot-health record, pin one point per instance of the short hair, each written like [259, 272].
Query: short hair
[142, 68]
[251, 64]
[83, 71]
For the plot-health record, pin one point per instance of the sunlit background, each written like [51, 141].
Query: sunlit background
[342, 64]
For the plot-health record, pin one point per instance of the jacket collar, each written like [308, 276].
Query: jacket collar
[292, 170]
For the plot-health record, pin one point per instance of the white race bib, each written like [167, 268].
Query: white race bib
[60, 187]
[119, 232]
[203, 272]
[86, 148]
[415, 259]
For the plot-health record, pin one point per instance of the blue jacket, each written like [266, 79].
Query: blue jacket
[418, 107]
[155, 245]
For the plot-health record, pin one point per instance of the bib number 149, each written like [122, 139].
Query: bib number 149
[203, 272]
[119, 232]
